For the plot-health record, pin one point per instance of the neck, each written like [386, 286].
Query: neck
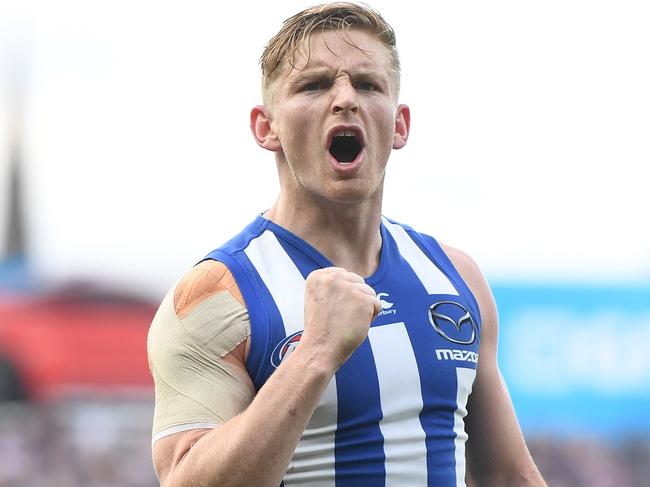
[346, 233]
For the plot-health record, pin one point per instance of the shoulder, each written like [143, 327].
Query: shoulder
[204, 314]
[475, 280]
[466, 266]
[207, 305]
[206, 279]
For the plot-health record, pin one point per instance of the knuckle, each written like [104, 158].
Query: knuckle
[316, 276]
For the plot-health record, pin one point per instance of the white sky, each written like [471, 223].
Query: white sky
[530, 133]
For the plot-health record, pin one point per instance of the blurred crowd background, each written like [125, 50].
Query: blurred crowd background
[125, 157]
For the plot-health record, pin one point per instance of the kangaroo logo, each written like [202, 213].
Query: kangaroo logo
[384, 304]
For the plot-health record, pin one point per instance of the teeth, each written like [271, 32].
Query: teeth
[344, 133]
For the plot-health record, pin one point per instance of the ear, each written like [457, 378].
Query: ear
[264, 134]
[402, 126]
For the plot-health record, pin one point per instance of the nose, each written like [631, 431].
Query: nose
[345, 98]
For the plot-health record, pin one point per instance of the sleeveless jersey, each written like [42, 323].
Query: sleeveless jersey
[394, 412]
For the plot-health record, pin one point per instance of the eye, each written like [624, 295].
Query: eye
[314, 85]
[366, 86]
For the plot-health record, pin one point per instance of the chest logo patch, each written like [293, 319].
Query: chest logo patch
[386, 306]
[453, 322]
[284, 348]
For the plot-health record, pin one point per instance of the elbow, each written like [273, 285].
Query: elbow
[178, 472]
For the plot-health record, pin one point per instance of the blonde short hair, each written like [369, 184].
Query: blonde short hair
[296, 31]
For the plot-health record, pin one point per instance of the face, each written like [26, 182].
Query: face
[334, 119]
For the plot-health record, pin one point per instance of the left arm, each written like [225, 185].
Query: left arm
[496, 451]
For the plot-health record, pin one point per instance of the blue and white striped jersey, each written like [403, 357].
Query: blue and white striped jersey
[394, 412]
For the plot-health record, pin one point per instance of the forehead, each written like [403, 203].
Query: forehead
[345, 50]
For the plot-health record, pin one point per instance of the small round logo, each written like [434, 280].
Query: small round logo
[448, 318]
[285, 347]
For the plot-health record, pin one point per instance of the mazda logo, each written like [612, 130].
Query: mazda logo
[449, 317]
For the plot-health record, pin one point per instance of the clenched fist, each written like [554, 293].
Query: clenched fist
[339, 307]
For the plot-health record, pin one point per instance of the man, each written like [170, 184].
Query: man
[325, 344]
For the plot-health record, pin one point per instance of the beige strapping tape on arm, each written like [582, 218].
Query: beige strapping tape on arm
[195, 387]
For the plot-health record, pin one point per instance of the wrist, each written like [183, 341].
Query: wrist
[315, 359]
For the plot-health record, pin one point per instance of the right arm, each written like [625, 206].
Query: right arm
[255, 446]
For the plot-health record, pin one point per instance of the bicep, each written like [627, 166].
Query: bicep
[181, 421]
[197, 362]
[496, 450]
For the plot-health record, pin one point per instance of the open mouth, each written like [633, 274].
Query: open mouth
[345, 146]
